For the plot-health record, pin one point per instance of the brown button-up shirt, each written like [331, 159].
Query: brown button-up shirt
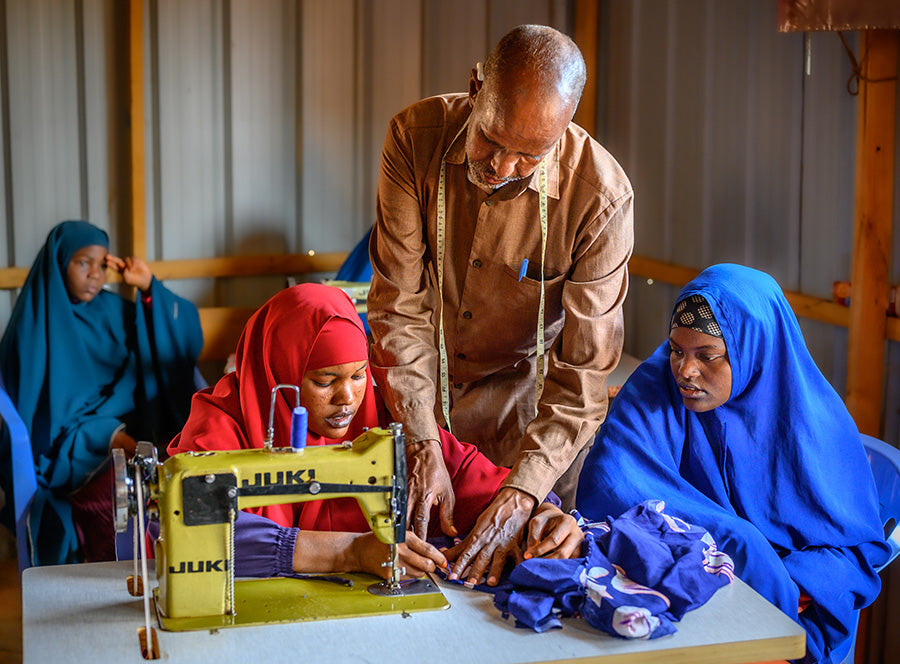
[490, 316]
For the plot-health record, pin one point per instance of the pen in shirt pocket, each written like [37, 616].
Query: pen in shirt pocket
[523, 269]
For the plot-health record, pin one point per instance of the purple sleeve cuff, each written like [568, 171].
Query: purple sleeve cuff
[262, 548]
[553, 499]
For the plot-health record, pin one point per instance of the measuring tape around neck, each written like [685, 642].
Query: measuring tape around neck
[441, 245]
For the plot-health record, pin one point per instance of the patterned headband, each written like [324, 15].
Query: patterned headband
[694, 313]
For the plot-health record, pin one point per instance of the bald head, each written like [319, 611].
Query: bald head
[536, 60]
[532, 83]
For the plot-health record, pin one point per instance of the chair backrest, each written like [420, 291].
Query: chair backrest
[885, 462]
[23, 474]
[354, 277]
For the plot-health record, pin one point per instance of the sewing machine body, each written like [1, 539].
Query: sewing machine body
[197, 496]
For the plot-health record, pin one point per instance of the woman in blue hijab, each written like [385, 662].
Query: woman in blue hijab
[731, 423]
[88, 370]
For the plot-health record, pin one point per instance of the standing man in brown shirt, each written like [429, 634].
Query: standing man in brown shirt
[494, 208]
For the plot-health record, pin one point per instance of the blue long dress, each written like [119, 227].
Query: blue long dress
[76, 371]
[777, 474]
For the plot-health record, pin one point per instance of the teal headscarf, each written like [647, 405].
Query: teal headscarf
[76, 371]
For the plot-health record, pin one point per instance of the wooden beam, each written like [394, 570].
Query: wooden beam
[669, 273]
[12, 277]
[872, 227]
[587, 26]
[137, 242]
[222, 328]
[804, 306]
[208, 268]
[247, 266]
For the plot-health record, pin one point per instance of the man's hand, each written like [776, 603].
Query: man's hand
[429, 485]
[134, 271]
[553, 534]
[494, 538]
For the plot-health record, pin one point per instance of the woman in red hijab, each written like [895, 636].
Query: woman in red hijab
[310, 335]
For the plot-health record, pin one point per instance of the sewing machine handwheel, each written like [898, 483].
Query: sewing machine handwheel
[123, 491]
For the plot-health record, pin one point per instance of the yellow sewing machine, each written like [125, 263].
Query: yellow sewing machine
[196, 497]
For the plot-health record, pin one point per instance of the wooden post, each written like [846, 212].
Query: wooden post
[137, 170]
[872, 227]
[587, 26]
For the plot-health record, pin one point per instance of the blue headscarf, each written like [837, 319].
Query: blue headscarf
[777, 473]
[76, 371]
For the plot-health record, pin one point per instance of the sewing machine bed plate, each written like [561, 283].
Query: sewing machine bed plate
[284, 600]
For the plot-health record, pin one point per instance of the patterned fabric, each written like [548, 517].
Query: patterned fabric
[777, 473]
[693, 312]
[639, 574]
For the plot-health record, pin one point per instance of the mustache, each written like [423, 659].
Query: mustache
[483, 169]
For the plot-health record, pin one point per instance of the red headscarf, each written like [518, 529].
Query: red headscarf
[309, 326]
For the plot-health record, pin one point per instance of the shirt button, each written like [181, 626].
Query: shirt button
[467, 315]
[460, 356]
[476, 263]
[458, 386]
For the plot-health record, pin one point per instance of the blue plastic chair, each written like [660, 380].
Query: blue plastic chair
[24, 475]
[885, 462]
[357, 269]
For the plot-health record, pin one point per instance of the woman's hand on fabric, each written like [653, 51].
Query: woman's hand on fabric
[134, 271]
[429, 486]
[495, 537]
[415, 557]
[552, 534]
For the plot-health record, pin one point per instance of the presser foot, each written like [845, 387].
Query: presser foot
[404, 588]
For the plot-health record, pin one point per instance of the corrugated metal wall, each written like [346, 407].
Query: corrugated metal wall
[264, 118]
[264, 123]
[735, 155]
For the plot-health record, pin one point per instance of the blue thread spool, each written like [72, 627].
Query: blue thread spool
[299, 423]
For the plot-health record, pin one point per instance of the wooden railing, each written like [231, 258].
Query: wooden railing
[222, 325]
[805, 306]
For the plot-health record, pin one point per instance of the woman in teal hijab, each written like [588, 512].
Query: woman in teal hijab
[88, 370]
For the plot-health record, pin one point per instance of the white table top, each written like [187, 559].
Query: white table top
[83, 613]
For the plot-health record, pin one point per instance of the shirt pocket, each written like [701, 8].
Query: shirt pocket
[524, 296]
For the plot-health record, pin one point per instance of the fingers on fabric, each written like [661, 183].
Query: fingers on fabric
[553, 536]
[536, 528]
[426, 551]
[475, 551]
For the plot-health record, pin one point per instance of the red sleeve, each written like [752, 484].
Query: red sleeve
[475, 481]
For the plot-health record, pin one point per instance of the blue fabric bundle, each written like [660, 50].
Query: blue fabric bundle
[640, 573]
